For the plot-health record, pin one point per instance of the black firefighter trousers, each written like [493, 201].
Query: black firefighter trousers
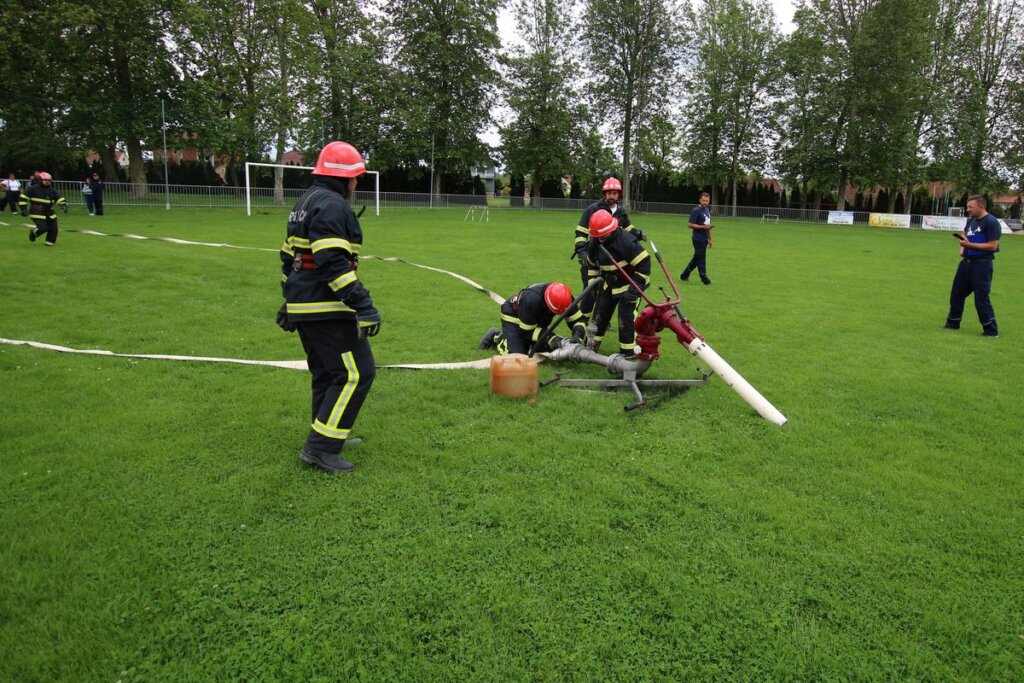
[342, 367]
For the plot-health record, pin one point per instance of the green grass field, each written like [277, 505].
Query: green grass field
[158, 526]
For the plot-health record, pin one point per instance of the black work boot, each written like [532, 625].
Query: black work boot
[488, 339]
[32, 235]
[952, 324]
[990, 330]
[684, 276]
[329, 462]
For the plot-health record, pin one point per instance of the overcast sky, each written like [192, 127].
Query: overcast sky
[507, 30]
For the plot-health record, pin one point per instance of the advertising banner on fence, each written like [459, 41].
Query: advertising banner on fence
[889, 220]
[840, 217]
[943, 222]
[955, 223]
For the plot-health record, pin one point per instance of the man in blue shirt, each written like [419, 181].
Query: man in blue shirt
[700, 223]
[978, 247]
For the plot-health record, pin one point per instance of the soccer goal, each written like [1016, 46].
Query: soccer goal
[249, 188]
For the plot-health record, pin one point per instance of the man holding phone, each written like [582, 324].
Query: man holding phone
[978, 247]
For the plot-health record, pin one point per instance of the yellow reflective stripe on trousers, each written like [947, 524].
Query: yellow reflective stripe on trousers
[332, 243]
[516, 321]
[342, 280]
[331, 429]
[319, 307]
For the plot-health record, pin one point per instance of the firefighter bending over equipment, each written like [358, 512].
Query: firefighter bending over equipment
[612, 192]
[604, 231]
[526, 314]
[327, 303]
[39, 202]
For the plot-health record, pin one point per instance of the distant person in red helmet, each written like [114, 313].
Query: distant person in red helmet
[528, 313]
[328, 304]
[39, 202]
[611, 193]
[625, 249]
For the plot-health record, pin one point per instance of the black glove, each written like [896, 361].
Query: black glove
[24, 212]
[579, 334]
[64, 208]
[282, 319]
[639, 234]
[369, 322]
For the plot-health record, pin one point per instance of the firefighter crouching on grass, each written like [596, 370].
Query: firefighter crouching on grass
[617, 292]
[611, 192]
[328, 305]
[39, 202]
[528, 313]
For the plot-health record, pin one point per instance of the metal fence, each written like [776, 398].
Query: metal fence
[204, 196]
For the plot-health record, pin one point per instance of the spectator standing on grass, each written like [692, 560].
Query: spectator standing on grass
[39, 202]
[978, 247]
[87, 194]
[700, 224]
[11, 193]
[98, 187]
[328, 304]
[527, 313]
[611, 193]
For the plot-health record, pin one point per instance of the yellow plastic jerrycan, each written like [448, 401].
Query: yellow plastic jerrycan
[514, 375]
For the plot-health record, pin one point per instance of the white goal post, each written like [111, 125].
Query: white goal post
[248, 186]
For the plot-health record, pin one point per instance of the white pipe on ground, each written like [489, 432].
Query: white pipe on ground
[699, 348]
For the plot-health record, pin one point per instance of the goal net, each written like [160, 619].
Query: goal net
[269, 196]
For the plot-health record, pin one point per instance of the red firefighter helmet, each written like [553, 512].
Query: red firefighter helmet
[602, 224]
[340, 159]
[558, 297]
[612, 184]
[43, 175]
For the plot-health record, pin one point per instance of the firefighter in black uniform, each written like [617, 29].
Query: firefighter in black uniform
[327, 303]
[612, 193]
[624, 247]
[528, 313]
[39, 202]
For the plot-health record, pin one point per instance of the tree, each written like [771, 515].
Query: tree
[980, 119]
[546, 116]
[228, 95]
[632, 47]
[443, 69]
[128, 68]
[805, 153]
[728, 87]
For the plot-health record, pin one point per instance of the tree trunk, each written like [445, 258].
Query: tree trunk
[803, 197]
[908, 201]
[111, 169]
[137, 169]
[893, 193]
[627, 150]
[734, 194]
[843, 184]
[279, 172]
